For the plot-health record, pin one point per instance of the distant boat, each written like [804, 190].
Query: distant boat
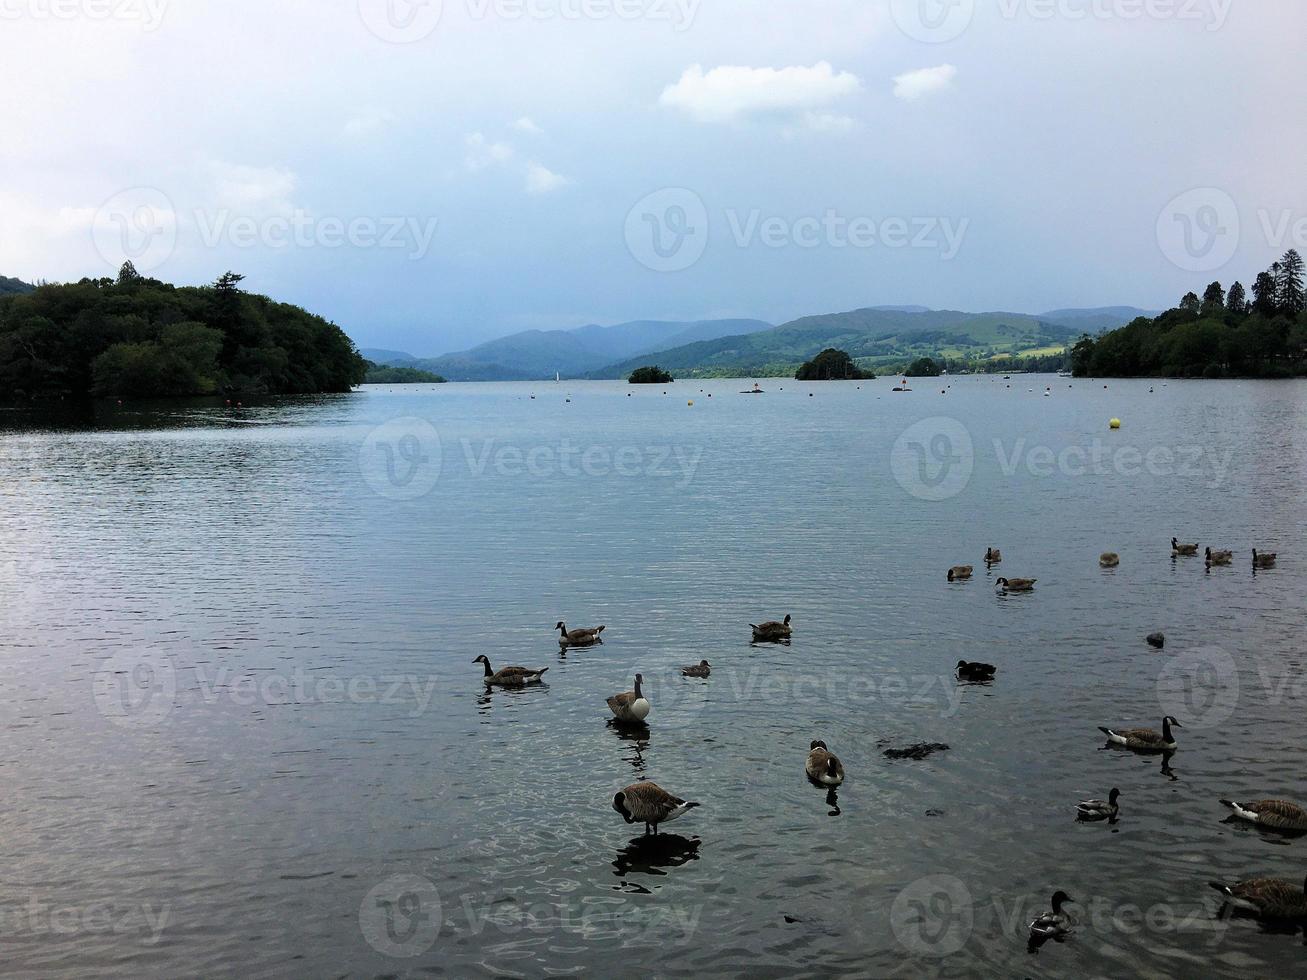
[557, 378]
[756, 390]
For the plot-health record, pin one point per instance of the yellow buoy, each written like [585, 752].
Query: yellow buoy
[1115, 423]
[690, 402]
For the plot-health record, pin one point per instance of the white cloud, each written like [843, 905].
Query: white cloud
[482, 153]
[368, 122]
[731, 93]
[252, 189]
[913, 85]
[542, 180]
[524, 124]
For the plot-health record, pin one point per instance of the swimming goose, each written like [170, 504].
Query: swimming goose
[578, 637]
[1056, 922]
[1144, 739]
[632, 706]
[1017, 584]
[993, 555]
[1099, 809]
[1263, 559]
[1272, 898]
[1109, 559]
[771, 630]
[1219, 557]
[1276, 814]
[959, 572]
[976, 671]
[822, 765]
[1183, 549]
[509, 676]
[649, 804]
[702, 669]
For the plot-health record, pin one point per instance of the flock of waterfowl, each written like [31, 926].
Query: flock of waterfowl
[648, 803]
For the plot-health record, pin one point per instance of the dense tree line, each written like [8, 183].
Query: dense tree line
[832, 365]
[650, 375]
[139, 337]
[1223, 334]
[389, 374]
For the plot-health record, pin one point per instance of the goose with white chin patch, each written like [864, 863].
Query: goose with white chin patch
[649, 804]
[1276, 814]
[631, 706]
[1269, 898]
[1144, 739]
[823, 766]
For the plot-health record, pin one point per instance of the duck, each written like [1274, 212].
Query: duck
[701, 669]
[1276, 814]
[1056, 922]
[959, 572]
[1017, 584]
[1099, 809]
[772, 630]
[509, 676]
[822, 765]
[1144, 739]
[1109, 559]
[1219, 557]
[1263, 559]
[648, 803]
[631, 706]
[976, 671]
[993, 556]
[1183, 549]
[1270, 898]
[579, 637]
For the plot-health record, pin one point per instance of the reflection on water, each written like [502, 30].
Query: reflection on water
[652, 854]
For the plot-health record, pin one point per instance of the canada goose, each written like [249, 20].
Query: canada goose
[1276, 814]
[771, 630]
[1099, 809]
[1017, 584]
[632, 706]
[578, 638]
[1056, 922]
[1183, 549]
[1219, 557]
[649, 804]
[822, 765]
[976, 671]
[509, 676]
[701, 669]
[1109, 559]
[959, 572]
[1272, 898]
[1144, 739]
[1263, 560]
[993, 556]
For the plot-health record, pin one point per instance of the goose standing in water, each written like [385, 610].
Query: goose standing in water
[1016, 584]
[631, 706]
[993, 556]
[1263, 559]
[1099, 809]
[1109, 559]
[649, 804]
[1219, 557]
[1270, 898]
[509, 676]
[1056, 923]
[823, 766]
[578, 637]
[1276, 814]
[959, 573]
[1187, 550]
[1144, 739]
[771, 631]
[701, 669]
[976, 672]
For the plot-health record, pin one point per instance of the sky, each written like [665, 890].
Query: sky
[432, 174]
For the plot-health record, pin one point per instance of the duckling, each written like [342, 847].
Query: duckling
[771, 630]
[578, 637]
[1276, 814]
[1109, 559]
[650, 804]
[993, 556]
[1183, 549]
[1099, 809]
[1144, 739]
[632, 706]
[959, 573]
[509, 676]
[701, 669]
[976, 671]
[1263, 559]
[1219, 557]
[1056, 922]
[1270, 898]
[822, 765]
[1017, 584]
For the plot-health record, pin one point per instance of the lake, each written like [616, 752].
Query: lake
[244, 736]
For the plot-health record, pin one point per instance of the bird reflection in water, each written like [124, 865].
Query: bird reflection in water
[486, 699]
[1037, 942]
[1166, 757]
[637, 737]
[649, 855]
[833, 801]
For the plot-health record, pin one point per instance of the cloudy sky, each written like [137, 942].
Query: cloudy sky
[433, 174]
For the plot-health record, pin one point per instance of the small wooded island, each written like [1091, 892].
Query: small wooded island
[653, 375]
[832, 365]
[389, 374]
[135, 337]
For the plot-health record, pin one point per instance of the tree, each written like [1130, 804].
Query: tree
[127, 274]
[652, 375]
[1082, 355]
[1190, 304]
[1237, 301]
[832, 365]
[1213, 301]
[923, 367]
[1265, 299]
[1289, 284]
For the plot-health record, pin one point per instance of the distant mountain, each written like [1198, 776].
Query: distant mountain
[10, 286]
[1099, 319]
[379, 355]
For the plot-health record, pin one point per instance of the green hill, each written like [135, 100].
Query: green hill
[12, 287]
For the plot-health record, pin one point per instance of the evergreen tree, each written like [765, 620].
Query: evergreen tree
[1190, 304]
[1237, 301]
[1265, 300]
[1289, 284]
[1213, 301]
[127, 274]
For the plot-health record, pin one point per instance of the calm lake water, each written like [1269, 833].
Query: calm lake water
[243, 734]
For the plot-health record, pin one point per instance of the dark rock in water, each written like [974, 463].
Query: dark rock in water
[918, 751]
[1156, 640]
[934, 813]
